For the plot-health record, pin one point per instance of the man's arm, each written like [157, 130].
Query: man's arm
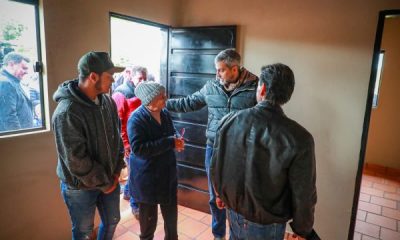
[190, 103]
[72, 150]
[8, 105]
[302, 177]
[141, 146]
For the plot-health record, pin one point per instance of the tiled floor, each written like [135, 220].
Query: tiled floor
[378, 215]
[192, 224]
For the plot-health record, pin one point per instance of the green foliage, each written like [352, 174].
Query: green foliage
[12, 31]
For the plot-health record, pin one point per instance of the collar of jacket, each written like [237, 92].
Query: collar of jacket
[130, 85]
[10, 76]
[272, 108]
[81, 97]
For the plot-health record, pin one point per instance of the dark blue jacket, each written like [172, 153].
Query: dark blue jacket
[127, 88]
[15, 107]
[153, 176]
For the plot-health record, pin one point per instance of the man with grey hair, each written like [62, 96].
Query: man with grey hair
[266, 175]
[16, 108]
[233, 89]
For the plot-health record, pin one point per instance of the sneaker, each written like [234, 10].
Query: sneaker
[135, 212]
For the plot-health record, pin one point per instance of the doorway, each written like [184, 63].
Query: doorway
[376, 205]
[182, 59]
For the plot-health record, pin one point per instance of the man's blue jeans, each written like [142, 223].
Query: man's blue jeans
[82, 207]
[242, 229]
[218, 215]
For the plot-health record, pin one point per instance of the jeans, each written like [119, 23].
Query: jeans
[132, 201]
[82, 207]
[242, 229]
[218, 224]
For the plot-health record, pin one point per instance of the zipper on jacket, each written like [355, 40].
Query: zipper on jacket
[106, 135]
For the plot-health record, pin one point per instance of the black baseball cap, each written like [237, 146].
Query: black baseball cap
[97, 62]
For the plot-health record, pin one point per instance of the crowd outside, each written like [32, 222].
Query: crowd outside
[233, 89]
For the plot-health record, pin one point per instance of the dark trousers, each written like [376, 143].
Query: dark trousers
[148, 220]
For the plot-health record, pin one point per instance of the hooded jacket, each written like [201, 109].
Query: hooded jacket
[88, 139]
[213, 94]
[263, 167]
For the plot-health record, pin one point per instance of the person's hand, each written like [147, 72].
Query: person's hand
[220, 203]
[113, 186]
[179, 144]
[127, 152]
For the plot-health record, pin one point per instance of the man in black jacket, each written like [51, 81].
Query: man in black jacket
[234, 89]
[263, 165]
[89, 146]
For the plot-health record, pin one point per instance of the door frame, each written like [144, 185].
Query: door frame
[367, 116]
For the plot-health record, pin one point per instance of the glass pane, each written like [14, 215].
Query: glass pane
[20, 88]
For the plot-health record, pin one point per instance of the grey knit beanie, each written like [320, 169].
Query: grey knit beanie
[147, 91]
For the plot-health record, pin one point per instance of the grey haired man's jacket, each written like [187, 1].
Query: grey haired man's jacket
[88, 139]
[219, 102]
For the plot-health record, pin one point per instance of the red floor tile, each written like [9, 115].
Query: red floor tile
[382, 221]
[378, 215]
[383, 202]
[385, 187]
[372, 191]
[367, 228]
[369, 207]
[361, 215]
[387, 234]
[365, 197]
[391, 213]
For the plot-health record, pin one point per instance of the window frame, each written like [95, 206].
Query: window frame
[38, 68]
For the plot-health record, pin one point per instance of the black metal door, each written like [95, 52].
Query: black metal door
[191, 63]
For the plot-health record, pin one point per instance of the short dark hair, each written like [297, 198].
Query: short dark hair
[139, 69]
[14, 57]
[228, 56]
[279, 80]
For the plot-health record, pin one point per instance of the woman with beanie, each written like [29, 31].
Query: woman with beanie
[153, 176]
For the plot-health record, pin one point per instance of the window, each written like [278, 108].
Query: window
[378, 79]
[21, 86]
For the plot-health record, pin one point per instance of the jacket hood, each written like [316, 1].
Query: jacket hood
[69, 90]
[245, 77]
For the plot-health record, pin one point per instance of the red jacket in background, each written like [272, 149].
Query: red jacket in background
[125, 107]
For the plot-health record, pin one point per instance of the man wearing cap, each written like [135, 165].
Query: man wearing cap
[234, 89]
[89, 146]
[153, 176]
